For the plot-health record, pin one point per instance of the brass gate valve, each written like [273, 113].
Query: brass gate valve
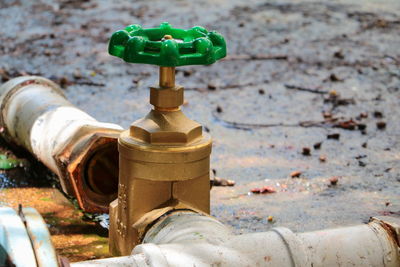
[164, 158]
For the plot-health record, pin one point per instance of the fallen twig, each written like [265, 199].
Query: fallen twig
[336, 101]
[256, 57]
[227, 86]
[89, 83]
[299, 88]
[249, 126]
[330, 123]
[232, 86]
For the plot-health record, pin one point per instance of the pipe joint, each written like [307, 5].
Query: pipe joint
[82, 152]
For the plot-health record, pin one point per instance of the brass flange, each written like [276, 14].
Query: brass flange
[164, 162]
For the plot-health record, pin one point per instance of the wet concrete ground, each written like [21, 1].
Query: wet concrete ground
[74, 236]
[289, 63]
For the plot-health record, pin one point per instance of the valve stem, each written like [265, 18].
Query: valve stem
[167, 74]
[167, 77]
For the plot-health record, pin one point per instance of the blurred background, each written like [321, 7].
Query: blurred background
[306, 103]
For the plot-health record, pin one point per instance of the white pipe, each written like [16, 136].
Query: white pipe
[13, 239]
[189, 239]
[362, 245]
[36, 115]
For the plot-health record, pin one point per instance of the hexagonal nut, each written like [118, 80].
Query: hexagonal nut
[160, 127]
[166, 97]
[78, 162]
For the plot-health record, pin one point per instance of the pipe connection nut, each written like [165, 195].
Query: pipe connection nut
[82, 152]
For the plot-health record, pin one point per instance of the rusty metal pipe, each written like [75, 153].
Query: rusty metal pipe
[36, 115]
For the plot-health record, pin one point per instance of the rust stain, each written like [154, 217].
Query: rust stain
[267, 258]
[391, 233]
[73, 162]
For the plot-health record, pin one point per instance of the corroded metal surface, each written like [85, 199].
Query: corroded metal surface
[36, 115]
[90, 163]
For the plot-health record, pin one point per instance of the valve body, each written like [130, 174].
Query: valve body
[164, 165]
[164, 158]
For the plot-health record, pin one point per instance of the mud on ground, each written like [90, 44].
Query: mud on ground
[308, 86]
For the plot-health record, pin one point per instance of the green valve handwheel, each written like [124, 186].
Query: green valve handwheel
[166, 46]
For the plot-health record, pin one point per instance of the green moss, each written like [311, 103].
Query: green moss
[8, 163]
[94, 250]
